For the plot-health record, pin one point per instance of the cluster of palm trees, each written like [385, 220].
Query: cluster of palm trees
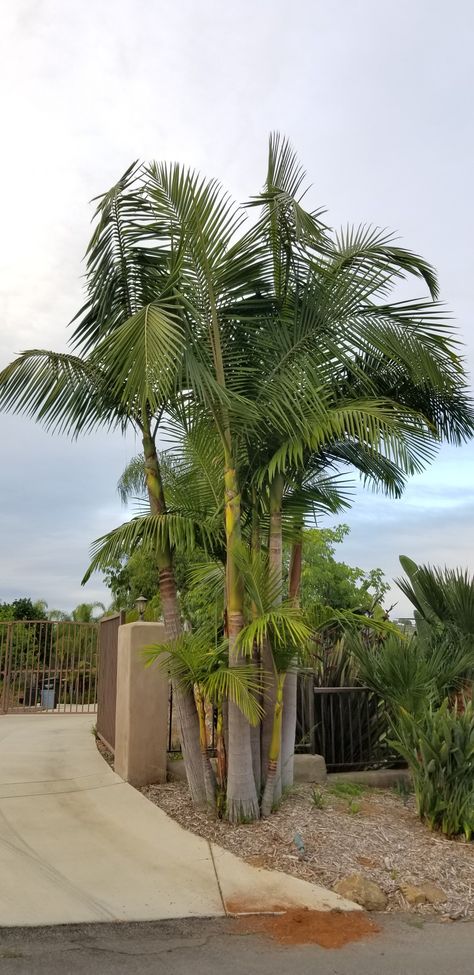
[271, 353]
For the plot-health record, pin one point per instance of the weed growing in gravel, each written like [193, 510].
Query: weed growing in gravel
[347, 790]
[318, 799]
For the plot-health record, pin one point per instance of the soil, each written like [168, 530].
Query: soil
[329, 929]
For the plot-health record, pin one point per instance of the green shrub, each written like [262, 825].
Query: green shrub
[439, 749]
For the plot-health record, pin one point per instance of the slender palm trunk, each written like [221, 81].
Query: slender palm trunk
[275, 558]
[208, 771]
[256, 730]
[268, 797]
[183, 699]
[221, 756]
[242, 801]
[288, 735]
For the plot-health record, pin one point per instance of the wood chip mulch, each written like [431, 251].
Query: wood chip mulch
[377, 834]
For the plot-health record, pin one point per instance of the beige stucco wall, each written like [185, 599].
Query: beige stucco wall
[142, 707]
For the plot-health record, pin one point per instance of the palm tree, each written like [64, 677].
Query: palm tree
[85, 612]
[282, 326]
[128, 300]
[277, 339]
[196, 662]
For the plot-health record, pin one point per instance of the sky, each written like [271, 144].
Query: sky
[376, 98]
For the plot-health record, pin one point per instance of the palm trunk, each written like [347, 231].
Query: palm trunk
[291, 683]
[242, 801]
[207, 770]
[268, 798]
[275, 549]
[221, 757]
[183, 698]
[256, 730]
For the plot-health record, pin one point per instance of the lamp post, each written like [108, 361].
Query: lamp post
[140, 604]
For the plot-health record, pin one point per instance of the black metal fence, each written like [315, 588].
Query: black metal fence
[48, 666]
[349, 726]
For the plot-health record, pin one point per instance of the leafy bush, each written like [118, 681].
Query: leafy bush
[417, 672]
[439, 749]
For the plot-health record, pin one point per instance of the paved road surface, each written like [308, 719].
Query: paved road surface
[210, 947]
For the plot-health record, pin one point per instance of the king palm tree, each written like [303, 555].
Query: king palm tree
[280, 339]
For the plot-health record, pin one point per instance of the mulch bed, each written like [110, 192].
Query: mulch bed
[376, 834]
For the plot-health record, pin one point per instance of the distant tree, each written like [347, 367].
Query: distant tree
[131, 577]
[23, 608]
[325, 580]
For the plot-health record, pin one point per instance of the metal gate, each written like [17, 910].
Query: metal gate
[48, 666]
[107, 685]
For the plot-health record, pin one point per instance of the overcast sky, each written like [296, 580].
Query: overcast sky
[377, 99]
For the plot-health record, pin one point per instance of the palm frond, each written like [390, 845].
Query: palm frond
[63, 392]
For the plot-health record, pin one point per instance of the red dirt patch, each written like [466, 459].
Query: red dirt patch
[329, 929]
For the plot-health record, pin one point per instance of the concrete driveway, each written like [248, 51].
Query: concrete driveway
[77, 844]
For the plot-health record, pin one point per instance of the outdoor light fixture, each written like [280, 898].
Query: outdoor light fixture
[140, 604]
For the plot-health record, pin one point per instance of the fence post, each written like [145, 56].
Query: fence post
[7, 668]
[311, 713]
[141, 723]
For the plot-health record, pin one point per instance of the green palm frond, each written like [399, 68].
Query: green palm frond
[63, 392]
[207, 578]
[406, 440]
[284, 628]
[132, 481]
[142, 356]
[122, 275]
[193, 661]
[366, 248]
[152, 533]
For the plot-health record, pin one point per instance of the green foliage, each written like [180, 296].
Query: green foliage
[353, 807]
[347, 790]
[443, 597]
[439, 749]
[274, 350]
[131, 577]
[194, 661]
[415, 672]
[326, 580]
[23, 609]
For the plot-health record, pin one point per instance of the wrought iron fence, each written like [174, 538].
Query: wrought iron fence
[349, 726]
[48, 666]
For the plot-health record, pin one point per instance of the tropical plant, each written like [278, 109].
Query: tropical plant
[441, 597]
[278, 348]
[439, 750]
[128, 298]
[413, 673]
[195, 662]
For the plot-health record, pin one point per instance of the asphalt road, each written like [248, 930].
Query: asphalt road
[212, 946]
